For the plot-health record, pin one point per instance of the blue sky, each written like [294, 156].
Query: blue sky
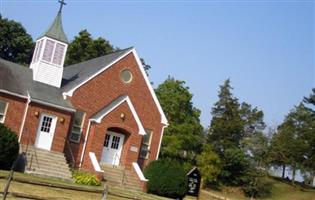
[266, 48]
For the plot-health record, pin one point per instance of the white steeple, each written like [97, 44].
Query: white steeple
[49, 55]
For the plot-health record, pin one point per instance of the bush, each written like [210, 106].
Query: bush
[85, 178]
[257, 185]
[166, 178]
[235, 165]
[210, 166]
[9, 147]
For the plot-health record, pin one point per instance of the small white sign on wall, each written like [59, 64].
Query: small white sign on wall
[134, 149]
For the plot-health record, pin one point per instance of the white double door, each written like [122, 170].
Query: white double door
[112, 148]
[45, 131]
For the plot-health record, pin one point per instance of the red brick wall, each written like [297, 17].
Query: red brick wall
[107, 86]
[128, 127]
[32, 123]
[15, 112]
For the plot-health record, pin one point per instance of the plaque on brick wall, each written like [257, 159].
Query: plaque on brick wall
[194, 180]
[134, 149]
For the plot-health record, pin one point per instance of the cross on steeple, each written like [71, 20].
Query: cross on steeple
[62, 2]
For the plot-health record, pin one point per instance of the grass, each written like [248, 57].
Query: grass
[281, 190]
[48, 192]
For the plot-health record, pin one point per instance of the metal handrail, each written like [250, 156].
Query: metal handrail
[29, 138]
[71, 153]
[119, 164]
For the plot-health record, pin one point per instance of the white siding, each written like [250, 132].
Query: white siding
[49, 74]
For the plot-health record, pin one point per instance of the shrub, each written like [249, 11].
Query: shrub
[210, 166]
[166, 178]
[85, 178]
[257, 185]
[9, 147]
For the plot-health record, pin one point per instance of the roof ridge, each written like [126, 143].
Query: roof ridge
[117, 51]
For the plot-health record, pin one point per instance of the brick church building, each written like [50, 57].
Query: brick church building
[100, 112]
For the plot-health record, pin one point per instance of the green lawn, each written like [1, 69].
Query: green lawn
[281, 191]
[52, 192]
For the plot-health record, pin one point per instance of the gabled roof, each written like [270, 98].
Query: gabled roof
[75, 74]
[18, 80]
[114, 104]
[56, 31]
[78, 74]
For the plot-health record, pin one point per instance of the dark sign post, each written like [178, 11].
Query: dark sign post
[194, 180]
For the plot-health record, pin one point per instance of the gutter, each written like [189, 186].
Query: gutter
[85, 141]
[28, 97]
[24, 116]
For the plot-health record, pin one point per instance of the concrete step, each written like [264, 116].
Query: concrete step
[48, 164]
[120, 177]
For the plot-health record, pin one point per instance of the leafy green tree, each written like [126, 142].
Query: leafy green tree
[182, 139]
[294, 133]
[235, 165]
[84, 47]
[210, 166]
[16, 44]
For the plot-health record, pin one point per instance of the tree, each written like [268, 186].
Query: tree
[311, 98]
[210, 166]
[235, 132]
[182, 139]
[84, 47]
[16, 44]
[9, 147]
[296, 131]
[226, 127]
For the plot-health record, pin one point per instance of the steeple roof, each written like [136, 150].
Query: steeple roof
[55, 30]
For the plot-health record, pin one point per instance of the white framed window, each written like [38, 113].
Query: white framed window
[77, 126]
[48, 51]
[145, 146]
[3, 110]
[58, 54]
[54, 52]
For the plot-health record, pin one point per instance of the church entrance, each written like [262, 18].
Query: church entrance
[112, 148]
[46, 131]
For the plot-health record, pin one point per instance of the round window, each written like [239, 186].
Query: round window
[126, 76]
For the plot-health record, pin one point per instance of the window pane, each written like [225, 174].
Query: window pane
[3, 105]
[147, 137]
[75, 137]
[76, 129]
[58, 54]
[48, 50]
[40, 45]
[78, 118]
[144, 151]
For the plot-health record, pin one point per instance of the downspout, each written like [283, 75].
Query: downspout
[24, 116]
[85, 141]
[159, 148]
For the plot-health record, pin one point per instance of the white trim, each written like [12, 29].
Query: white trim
[160, 143]
[163, 117]
[24, 116]
[5, 111]
[37, 101]
[13, 94]
[85, 141]
[139, 172]
[98, 118]
[95, 164]
[70, 92]
[52, 105]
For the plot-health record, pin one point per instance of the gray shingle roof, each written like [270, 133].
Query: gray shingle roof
[77, 73]
[19, 80]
